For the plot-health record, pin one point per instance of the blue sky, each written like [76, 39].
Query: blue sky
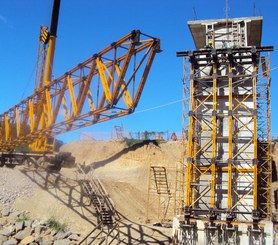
[88, 26]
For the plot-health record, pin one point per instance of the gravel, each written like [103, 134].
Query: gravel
[14, 184]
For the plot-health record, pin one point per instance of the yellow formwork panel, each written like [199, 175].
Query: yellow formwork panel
[228, 161]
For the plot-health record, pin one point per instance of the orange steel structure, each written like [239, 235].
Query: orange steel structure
[105, 86]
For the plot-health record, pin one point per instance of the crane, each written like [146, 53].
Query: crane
[107, 85]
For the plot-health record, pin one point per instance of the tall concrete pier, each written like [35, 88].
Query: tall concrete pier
[227, 165]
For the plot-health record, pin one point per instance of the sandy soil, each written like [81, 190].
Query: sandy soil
[57, 195]
[124, 173]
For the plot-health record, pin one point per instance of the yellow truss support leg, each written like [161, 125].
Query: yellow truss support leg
[255, 138]
[31, 115]
[214, 138]
[230, 139]
[72, 96]
[188, 200]
[7, 127]
[49, 107]
[103, 79]
[17, 117]
[90, 100]
[126, 98]
[65, 108]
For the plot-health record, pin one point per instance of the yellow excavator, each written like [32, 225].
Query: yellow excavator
[105, 86]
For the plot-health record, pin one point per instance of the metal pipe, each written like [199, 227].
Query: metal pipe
[52, 43]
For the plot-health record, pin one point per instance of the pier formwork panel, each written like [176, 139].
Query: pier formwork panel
[228, 163]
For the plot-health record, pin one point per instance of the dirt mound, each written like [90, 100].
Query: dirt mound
[122, 169]
[100, 153]
[93, 151]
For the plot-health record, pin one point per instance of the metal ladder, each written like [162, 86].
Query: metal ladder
[238, 34]
[160, 178]
[235, 34]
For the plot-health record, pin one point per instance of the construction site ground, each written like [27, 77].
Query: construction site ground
[124, 173]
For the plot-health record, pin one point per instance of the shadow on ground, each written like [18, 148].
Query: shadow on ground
[134, 147]
[69, 192]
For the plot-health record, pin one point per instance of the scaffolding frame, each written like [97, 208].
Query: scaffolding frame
[181, 167]
[265, 138]
[228, 165]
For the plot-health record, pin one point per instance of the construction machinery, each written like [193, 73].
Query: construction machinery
[105, 86]
[226, 168]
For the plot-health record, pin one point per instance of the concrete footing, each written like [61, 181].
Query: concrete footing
[203, 232]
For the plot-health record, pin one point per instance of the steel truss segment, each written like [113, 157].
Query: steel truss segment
[228, 159]
[106, 86]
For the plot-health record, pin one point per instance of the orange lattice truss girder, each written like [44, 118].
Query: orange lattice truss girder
[105, 86]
